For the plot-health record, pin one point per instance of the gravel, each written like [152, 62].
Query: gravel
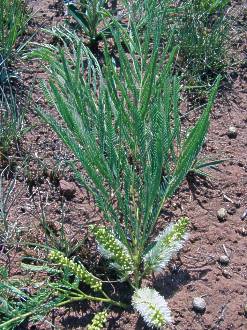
[199, 304]
[224, 260]
[232, 132]
[222, 214]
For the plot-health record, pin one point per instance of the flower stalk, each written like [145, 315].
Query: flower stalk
[113, 249]
[79, 270]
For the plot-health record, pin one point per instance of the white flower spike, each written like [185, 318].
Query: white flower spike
[168, 243]
[152, 307]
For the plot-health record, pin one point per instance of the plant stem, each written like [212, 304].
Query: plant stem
[9, 322]
[137, 276]
[86, 297]
[68, 301]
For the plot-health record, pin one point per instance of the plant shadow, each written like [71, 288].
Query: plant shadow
[75, 316]
[171, 282]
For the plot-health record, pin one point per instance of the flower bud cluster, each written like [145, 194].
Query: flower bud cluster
[157, 318]
[98, 321]
[177, 232]
[76, 269]
[113, 248]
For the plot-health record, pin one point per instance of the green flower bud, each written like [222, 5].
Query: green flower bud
[78, 270]
[113, 249]
[98, 321]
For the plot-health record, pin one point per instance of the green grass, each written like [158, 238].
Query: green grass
[13, 22]
[201, 31]
[11, 120]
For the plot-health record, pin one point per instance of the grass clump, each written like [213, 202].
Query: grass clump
[13, 21]
[201, 30]
[11, 120]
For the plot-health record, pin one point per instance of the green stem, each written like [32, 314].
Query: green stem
[137, 273]
[17, 318]
[68, 301]
[84, 297]
[79, 295]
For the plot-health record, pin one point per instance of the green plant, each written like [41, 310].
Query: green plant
[93, 18]
[201, 29]
[13, 20]
[98, 321]
[17, 305]
[123, 126]
[209, 6]
[11, 119]
[8, 195]
[143, 12]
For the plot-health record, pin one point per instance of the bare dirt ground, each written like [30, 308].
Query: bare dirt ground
[50, 195]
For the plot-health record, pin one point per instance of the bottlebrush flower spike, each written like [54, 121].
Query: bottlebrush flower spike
[152, 307]
[113, 249]
[98, 321]
[77, 269]
[168, 243]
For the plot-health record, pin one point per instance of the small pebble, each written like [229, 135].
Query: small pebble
[231, 210]
[226, 274]
[232, 132]
[234, 74]
[242, 231]
[244, 215]
[222, 214]
[199, 304]
[237, 204]
[224, 260]
[245, 310]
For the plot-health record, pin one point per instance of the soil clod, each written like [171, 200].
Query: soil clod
[231, 210]
[67, 189]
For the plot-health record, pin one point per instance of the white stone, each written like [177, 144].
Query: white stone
[199, 304]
